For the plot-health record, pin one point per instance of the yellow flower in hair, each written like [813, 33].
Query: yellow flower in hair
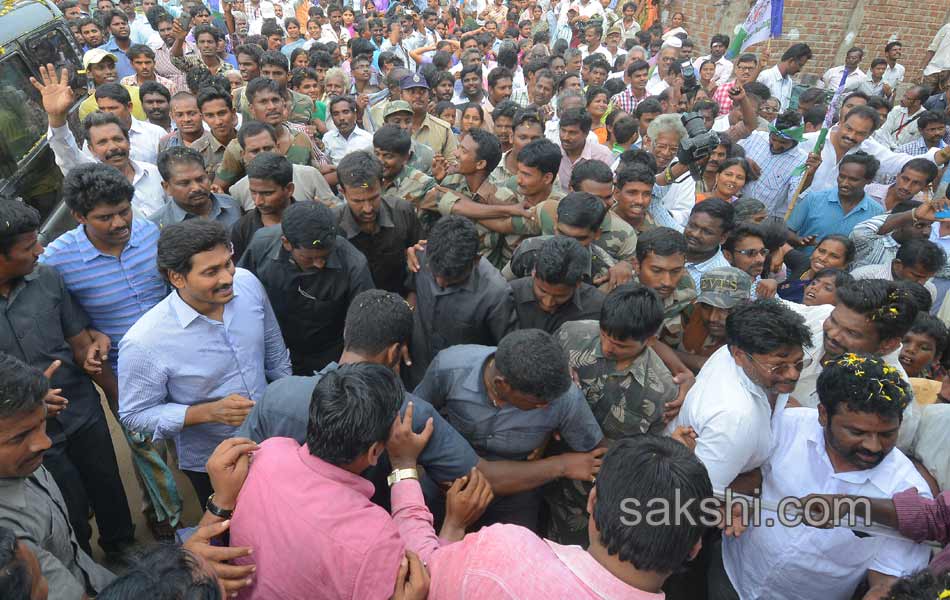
[944, 595]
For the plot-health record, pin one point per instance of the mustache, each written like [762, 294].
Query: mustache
[115, 154]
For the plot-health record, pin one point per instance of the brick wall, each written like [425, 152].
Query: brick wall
[830, 27]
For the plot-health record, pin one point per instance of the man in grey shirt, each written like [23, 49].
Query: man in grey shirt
[31, 504]
[507, 402]
[187, 182]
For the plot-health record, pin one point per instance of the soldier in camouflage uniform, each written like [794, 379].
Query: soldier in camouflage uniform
[625, 383]
[392, 146]
[526, 127]
[661, 266]
[399, 113]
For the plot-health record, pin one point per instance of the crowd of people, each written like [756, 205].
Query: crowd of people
[427, 300]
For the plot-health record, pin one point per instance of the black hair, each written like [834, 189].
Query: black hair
[197, 78]
[877, 62]
[209, 94]
[797, 52]
[864, 384]
[154, 87]
[815, 115]
[300, 74]
[640, 471]
[631, 311]
[533, 363]
[453, 247]
[391, 138]
[252, 128]
[86, 186]
[477, 107]
[929, 325]
[921, 253]
[177, 155]
[275, 58]
[648, 106]
[541, 154]
[136, 50]
[506, 57]
[633, 172]
[352, 408]
[497, 74]
[593, 170]
[930, 117]
[270, 166]
[746, 207]
[208, 30]
[179, 242]
[639, 156]
[662, 241]
[593, 91]
[260, 84]
[637, 65]
[918, 294]
[850, 250]
[252, 50]
[157, 14]
[581, 209]
[576, 117]
[164, 572]
[841, 276]
[741, 232]
[719, 38]
[15, 580]
[375, 320]
[107, 17]
[114, 91]
[505, 108]
[922, 165]
[702, 105]
[562, 261]
[717, 209]
[350, 101]
[890, 308]
[812, 95]
[270, 28]
[765, 326]
[22, 386]
[443, 105]
[529, 116]
[562, 80]
[304, 222]
[864, 112]
[869, 162]
[489, 148]
[360, 168]
[788, 119]
[625, 128]
[99, 119]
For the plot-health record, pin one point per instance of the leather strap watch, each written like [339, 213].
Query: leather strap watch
[217, 510]
[399, 474]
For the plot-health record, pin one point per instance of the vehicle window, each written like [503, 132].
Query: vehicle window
[22, 119]
[53, 47]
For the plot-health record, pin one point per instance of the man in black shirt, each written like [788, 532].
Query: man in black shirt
[381, 228]
[311, 275]
[271, 183]
[555, 292]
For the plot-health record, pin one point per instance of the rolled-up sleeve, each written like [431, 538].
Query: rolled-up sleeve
[143, 395]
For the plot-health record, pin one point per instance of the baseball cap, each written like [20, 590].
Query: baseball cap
[724, 287]
[615, 29]
[413, 81]
[309, 225]
[397, 106]
[95, 56]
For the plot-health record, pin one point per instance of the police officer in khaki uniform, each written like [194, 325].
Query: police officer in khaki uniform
[426, 129]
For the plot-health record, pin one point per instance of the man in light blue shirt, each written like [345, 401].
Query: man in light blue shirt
[192, 367]
[839, 209]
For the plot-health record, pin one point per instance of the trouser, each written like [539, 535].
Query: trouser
[87, 473]
[720, 588]
[202, 484]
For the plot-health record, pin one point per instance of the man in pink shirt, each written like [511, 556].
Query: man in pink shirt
[627, 557]
[305, 509]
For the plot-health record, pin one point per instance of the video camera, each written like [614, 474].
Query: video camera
[698, 144]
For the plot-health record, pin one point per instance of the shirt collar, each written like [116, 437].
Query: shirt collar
[352, 229]
[335, 473]
[599, 580]
[864, 204]
[880, 476]
[181, 214]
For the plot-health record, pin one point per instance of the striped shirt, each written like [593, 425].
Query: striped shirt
[777, 183]
[870, 247]
[114, 291]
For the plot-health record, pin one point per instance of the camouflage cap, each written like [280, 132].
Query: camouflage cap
[724, 287]
[397, 106]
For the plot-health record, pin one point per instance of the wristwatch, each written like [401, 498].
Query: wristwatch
[399, 474]
[217, 510]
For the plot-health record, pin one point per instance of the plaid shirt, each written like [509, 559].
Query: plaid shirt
[917, 147]
[722, 98]
[777, 183]
[626, 101]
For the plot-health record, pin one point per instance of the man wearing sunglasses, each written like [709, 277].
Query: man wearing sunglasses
[742, 389]
[745, 250]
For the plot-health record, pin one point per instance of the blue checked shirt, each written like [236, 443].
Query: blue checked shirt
[777, 183]
[661, 216]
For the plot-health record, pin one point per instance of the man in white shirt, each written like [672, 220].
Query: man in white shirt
[870, 316]
[334, 30]
[779, 78]
[846, 446]
[742, 389]
[901, 126]
[107, 139]
[851, 134]
[669, 53]
[347, 137]
[143, 136]
[937, 71]
[894, 73]
[717, 54]
[832, 77]
[586, 9]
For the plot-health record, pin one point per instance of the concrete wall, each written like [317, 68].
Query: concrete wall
[830, 27]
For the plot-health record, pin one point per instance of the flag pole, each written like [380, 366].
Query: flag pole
[822, 135]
